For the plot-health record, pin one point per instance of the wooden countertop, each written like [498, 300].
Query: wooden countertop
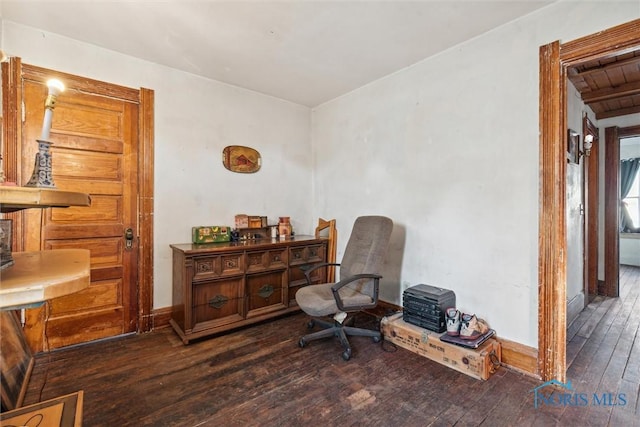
[14, 198]
[42, 275]
[190, 248]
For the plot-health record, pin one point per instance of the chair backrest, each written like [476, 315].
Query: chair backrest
[366, 249]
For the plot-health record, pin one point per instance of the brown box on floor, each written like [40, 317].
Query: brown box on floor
[478, 363]
[63, 411]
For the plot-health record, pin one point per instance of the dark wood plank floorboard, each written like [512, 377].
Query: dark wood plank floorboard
[258, 376]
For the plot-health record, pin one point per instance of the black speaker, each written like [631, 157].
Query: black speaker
[425, 305]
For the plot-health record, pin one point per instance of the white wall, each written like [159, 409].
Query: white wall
[448, 148]
[575, 209]
[195, 119]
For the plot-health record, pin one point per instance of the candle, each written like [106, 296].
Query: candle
[55, 87]
[46, 125]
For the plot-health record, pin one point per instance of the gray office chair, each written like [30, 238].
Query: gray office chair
[357, 288]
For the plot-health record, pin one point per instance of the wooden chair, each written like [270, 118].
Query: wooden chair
[327, 229]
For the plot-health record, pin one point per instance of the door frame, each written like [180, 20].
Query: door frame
[592, 197]
[555, 59]
[12, 110]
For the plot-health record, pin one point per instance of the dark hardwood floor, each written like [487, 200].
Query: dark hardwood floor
[603, 354]
[258, 376]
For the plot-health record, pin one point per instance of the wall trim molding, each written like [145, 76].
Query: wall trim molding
[574, 306]
[519, 357]
[555, 59]
[160, 318]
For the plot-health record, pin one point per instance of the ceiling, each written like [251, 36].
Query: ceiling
[611, 86]
[304, 51]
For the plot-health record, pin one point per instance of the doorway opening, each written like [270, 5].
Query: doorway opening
[555, 62]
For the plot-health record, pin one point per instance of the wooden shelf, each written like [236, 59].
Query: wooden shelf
[17, 198]
[42, 275]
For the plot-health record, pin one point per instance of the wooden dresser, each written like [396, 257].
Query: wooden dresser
[221, 286]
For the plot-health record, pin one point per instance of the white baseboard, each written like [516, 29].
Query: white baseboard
[574, 307]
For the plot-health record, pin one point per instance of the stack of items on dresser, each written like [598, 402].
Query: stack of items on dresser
[247, 227]
[434, 309]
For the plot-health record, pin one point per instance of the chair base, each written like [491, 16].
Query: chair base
[339, 330]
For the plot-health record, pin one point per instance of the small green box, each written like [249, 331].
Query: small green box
[210, 234]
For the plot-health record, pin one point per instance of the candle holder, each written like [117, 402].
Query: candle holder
[42, 175]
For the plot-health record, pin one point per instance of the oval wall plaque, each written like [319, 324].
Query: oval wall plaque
[238, 158]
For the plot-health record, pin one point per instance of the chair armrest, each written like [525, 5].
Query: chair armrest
[308, 268]
[337, 286]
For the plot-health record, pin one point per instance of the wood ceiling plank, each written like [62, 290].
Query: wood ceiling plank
[616, 113]
[616, 76]
[609, 93]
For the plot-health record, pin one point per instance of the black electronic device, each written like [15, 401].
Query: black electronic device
[425, 306]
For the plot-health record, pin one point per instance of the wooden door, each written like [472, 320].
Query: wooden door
[612, 136]
[94, 151]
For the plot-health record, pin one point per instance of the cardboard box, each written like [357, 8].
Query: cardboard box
[242, 221]
[478, 363]
[210, 234]
[255, 221]
[63, 411]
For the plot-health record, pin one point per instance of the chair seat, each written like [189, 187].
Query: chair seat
[318, 300]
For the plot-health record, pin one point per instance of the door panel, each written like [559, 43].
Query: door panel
[95, 146]
[104, 294]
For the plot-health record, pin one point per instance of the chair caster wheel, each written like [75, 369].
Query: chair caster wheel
[346, 355]
[311, 324]
[302, 343]
[377, 339]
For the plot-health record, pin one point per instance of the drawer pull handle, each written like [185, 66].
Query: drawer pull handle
[218, 301]
[297, 255]
[265, 291]
[230, 263]
[204, 266]
[276, 258]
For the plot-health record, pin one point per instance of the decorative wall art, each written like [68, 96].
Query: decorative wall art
[573, 147]
[238, 158]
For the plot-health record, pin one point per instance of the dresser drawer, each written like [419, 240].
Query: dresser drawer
[209, 267]
[217, 303]
[277, 258]
[307, 254]
[297, 277]
[266, 260]
[231, 264]
[266, 292]
[206, 267]
[298, 280]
